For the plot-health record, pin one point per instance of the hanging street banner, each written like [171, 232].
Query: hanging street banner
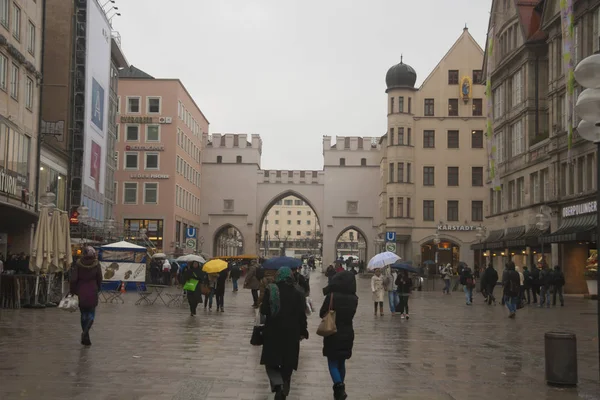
[123, 271]
[566, 17]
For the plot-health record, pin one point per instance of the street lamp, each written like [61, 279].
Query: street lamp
[480, 235]
[543, 223]
[436, 241]
[587, 74]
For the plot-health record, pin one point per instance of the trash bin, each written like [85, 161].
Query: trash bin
[561, 358]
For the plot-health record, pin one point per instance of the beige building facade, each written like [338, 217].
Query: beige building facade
[158, 153]
[20, 78]
[244, 203]
[432, 171]
[538, 181]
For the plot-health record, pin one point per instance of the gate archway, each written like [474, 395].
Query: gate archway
[228, 241]
[351, 242]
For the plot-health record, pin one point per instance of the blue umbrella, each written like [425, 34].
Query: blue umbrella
[280, 262]
[429, 262]
[405, 266]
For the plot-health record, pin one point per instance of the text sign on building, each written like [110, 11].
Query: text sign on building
[390, 236]
[136, 120]
[464, 228]
[12, 183]
[148, 176]
[145, 148]
[580, 209]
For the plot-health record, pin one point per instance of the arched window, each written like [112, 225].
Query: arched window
[219, 159]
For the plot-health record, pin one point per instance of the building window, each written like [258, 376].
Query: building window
[477, 77]
[401, 172]
[428, 210]
[408, 178]
[512, 195]
[453, 141]
[150, 193]
[476, 210]
[477, 107]
[477, 139]
[500, 149]
[4, 13]
[3, 70]
[452, 176]
[131, 160]
[219, 159]
[400, 207]
[534, 180]
[29, 94]
[132, 133]
[391, 207]
[408, 207]
[453, 77]
[409, 105]
[152, 161]
[517, 88]
[428, 139]
[153, 105]
[453, 107]
[298, 203]
[517, 138]
[16, 22]
[428, 176]
[31, 38]
[498, 99]
[401, 104]
[298, 222]
[130, 193]
[391, 173]
[452, 210]
[477, 176]
[429, 107]
[520, 192]
[298, 212]
[391, 141]
[391, 105]
[133, 105]
[401, 136]
[14, 82]
[152, 133]
[238, 159]
[342, 162]
[363, 162]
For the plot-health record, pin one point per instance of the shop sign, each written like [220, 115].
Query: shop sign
[148, 176]
[12, 183]
[159, 147]
[136, 120]
[464, 228]
[580, 209]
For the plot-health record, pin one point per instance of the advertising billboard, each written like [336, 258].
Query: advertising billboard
[96, 106]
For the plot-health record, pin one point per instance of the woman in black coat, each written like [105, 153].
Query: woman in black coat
[340, 296]
[285, 325]
[193, 271]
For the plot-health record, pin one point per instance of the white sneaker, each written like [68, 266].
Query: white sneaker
[402, 316]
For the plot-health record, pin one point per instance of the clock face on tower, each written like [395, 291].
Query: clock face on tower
[465, 88]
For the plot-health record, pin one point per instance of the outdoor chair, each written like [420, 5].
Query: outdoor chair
[144, 294]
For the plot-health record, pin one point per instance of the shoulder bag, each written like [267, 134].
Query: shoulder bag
[327, 326]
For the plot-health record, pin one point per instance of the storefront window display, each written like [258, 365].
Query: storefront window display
[153, 227]
[54, 182]
[15, 150]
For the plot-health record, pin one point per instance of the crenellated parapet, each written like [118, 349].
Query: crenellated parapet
[234, 141]
[297, 177]
[351, 143]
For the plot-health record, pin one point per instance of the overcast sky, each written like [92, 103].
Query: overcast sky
[292, 70]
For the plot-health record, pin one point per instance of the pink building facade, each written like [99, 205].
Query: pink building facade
[158, 153]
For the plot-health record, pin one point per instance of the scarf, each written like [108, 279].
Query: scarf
[284, 275]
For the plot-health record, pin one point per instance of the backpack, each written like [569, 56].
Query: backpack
[514, 285]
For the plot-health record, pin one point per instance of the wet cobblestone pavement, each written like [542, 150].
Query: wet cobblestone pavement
[446, 351]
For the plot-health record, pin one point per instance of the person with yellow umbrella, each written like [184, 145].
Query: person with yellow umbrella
[217, 276]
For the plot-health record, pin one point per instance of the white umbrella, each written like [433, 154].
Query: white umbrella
[57, 255]
[42, 243]
[159, 255]
[382, 259]
[191, 257]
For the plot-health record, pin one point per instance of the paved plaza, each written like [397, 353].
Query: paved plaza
[446, 351]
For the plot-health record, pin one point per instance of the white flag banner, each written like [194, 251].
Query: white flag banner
[123, 271]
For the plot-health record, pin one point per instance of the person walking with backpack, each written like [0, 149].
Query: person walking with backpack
[235, 273]
[340, 296]
[511, 284]
[558, 283]
[468, 282]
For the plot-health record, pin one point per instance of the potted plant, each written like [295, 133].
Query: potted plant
[591, 273]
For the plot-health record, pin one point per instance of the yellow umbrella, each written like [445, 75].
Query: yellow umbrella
[214, 266]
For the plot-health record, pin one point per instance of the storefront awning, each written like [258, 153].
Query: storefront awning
[532, 236]
[514, 237]
[574, 229]
[493, 241]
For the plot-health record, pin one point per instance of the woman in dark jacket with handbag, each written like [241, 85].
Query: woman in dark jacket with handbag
[340, 296]
[193, 271]
[285, 326]
[86, 280]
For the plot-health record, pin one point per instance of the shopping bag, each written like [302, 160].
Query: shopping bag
[205, 289]
[327, 326]
[69, 303]
[257, 331]
[190, 285]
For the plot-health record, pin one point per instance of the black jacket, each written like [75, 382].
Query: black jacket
[282, 333]
[343, 289]
[199, 275]
[511, 282]
[490, 277]
[404, 285]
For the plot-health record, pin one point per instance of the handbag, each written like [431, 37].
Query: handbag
[327, 326]
[191, 285]
[257, 338]
[69, 303]
[205, 289]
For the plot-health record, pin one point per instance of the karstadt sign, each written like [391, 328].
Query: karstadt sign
[461, 228]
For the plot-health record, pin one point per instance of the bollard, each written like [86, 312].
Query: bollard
[560, 349]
